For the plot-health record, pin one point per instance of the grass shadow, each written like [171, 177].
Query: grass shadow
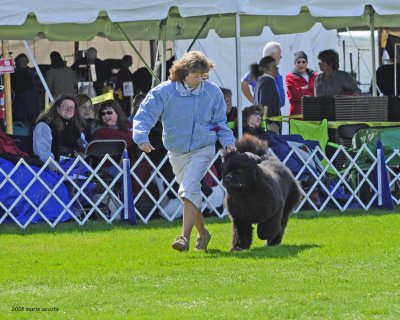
[310, 214]
[74, 227]
[97, 225]
[278, 252]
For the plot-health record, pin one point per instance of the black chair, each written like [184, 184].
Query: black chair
[106, 174]
[346, 132]
[97, 149]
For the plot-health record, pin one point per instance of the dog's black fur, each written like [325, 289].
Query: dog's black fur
[260, 190]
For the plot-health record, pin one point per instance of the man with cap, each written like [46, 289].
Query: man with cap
[300, 82]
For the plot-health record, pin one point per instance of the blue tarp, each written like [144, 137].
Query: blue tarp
[37, 193]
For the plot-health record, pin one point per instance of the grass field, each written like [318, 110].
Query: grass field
[331, 265]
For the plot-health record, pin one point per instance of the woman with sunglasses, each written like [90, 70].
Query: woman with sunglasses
[300, 82]
[58, 131]
[112, 123]
[192, 112]
[252, 122]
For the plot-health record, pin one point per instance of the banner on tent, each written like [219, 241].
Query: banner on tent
[7, 65]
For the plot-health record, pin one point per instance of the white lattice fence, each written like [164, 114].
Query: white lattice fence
[94, 194]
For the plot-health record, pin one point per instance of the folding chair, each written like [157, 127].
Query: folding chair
[347, 131]
[97, 149]
[106, 172]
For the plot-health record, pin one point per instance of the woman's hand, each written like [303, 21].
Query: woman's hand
[230, 148]
[146, 147]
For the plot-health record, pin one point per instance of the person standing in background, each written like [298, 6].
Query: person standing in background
[248, 84]
[300, 82]
[83, 68]
[124, 75]
[266, 93]
[60, 78]
[332, 81]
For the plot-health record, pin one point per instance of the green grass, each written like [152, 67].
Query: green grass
[331, 265]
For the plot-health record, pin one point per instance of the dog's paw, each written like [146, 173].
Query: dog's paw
[272, 244]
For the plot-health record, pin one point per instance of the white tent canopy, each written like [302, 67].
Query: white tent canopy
[147, 20]
[75, 20]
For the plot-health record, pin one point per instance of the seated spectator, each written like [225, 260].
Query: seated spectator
[60, 78]
[137, 100]
[58, 131]
[142, 79]
[111, 123]
[252, 122]
[124, 75]
[332, 81]
[300, 82]
[266, 94]
[231, 112]
[86, 109]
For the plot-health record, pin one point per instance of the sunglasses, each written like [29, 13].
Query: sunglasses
[103, 113]
[301, 61]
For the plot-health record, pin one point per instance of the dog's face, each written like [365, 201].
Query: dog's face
[241, 172]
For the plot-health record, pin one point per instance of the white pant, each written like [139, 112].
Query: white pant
[189, 169]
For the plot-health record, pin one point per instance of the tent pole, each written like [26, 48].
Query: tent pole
[372, 29]
[238, 75]
[164, 52]
[198, 33]
[32, 58]
[136, 51]
[7, 91]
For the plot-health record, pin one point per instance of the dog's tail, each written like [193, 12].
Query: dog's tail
[250, 143]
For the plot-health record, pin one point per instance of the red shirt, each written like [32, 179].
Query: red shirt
[294, 82]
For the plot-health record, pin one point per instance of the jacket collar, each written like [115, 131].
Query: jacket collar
[182, 91]
[310, 72]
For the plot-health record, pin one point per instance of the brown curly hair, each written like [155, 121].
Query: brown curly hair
[53, 115]
[247, 112]
[191, 62]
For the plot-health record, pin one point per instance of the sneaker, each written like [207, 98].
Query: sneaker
[202, 241]
[181, 244]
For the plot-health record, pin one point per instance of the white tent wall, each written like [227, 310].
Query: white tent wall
[358, 43]
[222, 52]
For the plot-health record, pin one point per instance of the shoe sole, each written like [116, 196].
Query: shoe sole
[179, 247]
[206, 248]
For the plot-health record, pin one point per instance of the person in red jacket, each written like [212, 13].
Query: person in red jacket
[300, 82]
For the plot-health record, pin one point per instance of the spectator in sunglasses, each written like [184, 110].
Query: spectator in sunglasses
[300, 82]
[252, 122]
[112, 123]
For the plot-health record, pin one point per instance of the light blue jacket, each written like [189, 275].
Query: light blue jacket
[191, 119]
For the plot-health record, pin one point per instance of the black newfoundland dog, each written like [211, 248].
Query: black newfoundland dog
[260, 190]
